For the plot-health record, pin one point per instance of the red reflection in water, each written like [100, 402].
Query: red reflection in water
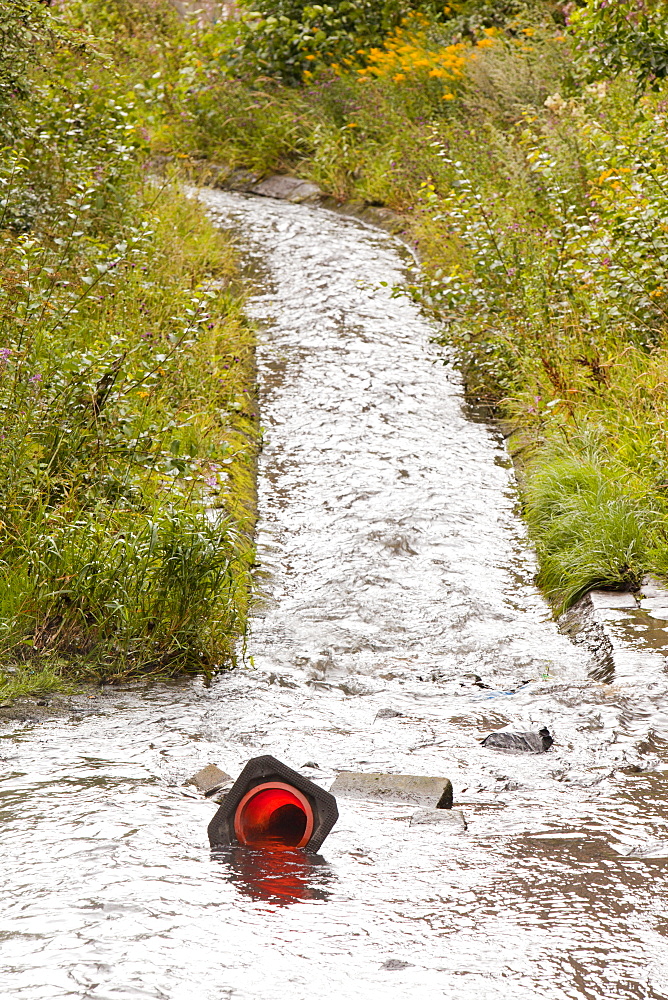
[274, 815]
[279, 877]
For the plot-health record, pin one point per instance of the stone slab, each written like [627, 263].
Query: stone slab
[652, 587]
[661, 613]
[611, 599]
[287, 189]
[453, 819]
[411, 788]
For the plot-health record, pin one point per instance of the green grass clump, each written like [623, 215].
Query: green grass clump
[592, 528]
[32, 680]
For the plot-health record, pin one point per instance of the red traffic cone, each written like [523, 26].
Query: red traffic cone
[271, 806]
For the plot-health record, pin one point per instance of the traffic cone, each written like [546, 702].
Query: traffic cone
[272, 807]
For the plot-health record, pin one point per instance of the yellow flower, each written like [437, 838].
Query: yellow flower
[398, 77]
[448, 97]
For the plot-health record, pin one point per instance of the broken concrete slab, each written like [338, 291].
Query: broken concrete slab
[287, 188]
[210, 780]
[453, 819]
[654, 597]
[411, 788]
[584, 626]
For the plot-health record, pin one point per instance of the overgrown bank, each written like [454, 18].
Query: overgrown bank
[129, 427]
[526, 152]
[525, 144]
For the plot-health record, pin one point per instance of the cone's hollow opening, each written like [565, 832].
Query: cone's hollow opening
[274, 815]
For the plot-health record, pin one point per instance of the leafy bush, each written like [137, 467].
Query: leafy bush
[286, 38]
[24, 27]
[625, 34]
[115, 369]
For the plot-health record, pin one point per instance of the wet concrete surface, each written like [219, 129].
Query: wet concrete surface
[400, 626]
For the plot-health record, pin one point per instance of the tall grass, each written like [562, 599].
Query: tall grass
[124, 411]
[127, 416]
[594, 526]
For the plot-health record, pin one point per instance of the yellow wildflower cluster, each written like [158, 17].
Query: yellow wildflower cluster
[409, 53]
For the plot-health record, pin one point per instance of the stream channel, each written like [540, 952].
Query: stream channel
[398, 576]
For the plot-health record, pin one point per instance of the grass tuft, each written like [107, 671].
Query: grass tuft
[591, 529]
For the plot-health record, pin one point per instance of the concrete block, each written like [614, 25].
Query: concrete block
[452, 819]
[611, 599]
[287, 189]
[652, 587]
[657, 612]
[412, 788]
[209, 780]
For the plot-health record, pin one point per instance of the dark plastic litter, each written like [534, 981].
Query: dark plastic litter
[520, 742]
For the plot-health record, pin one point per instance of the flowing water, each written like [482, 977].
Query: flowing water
[399, 577]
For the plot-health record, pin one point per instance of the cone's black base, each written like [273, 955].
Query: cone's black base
[259, 771]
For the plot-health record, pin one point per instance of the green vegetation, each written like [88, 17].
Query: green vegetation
[525, 145]
[128, 424]
[286, 38]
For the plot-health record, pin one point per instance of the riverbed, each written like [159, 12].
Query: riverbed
[397, 578]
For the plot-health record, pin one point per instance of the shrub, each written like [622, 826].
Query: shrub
[24, 26]
[625, 34]
[285, 38]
